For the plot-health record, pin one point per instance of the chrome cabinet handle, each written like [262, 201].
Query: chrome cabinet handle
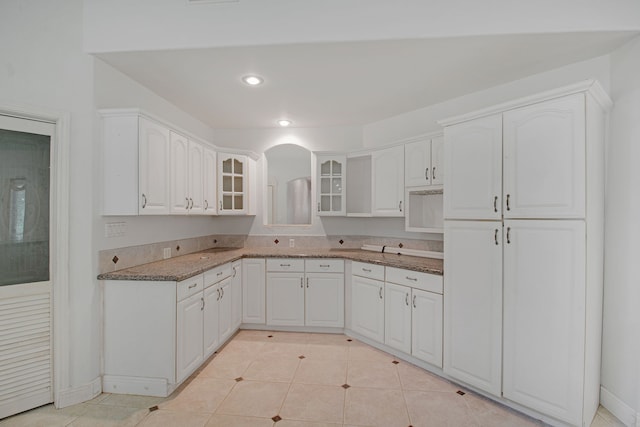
[426, 174]
[191, 201]
[144, 201]
[495, 236]
[285, 265]
[202, 307]
[206, 204]
[318, 206]
[433, 173]
[187, 206]
[235, 271]
[193, 286]
[218, 291]
[406, 299]
[508, 235]
[307, 283]
[368, 270]
[325, 265]
[219, 273]
[414, 301]
[222, 290]
[414, 279]
[508, 206]
[400, 205]
[380, 292]
[302, 282]
[495, 204]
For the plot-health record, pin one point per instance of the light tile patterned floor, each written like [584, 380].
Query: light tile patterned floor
[280, 379]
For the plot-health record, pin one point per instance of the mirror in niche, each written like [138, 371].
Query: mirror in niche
[288, 193]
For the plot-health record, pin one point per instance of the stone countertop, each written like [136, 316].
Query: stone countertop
[185, 266]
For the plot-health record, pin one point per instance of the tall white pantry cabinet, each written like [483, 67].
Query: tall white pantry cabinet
[523, 243]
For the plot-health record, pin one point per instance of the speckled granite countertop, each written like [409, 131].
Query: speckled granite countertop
[185, 266]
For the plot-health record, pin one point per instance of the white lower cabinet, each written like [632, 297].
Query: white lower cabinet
[156, 334]
[473, 303]
[236, 292]
[367, 305]
[397, 317]
[253, 291]
[305, 292]
[426, 326]
[189, 348]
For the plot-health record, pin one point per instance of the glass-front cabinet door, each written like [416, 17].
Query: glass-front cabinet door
[232, 184]
[331, 185]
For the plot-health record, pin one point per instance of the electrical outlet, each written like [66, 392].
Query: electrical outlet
[167, 253]
[292, 243]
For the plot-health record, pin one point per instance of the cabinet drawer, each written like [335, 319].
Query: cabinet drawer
[324, 266]
[217, 274]
[285, 264]
[189, 287]
[415, 279]
[371, 271]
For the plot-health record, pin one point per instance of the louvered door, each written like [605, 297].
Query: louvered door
[25, 347]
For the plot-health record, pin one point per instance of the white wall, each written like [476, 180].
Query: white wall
[621, 334]
[123, 25]
[42, 66]
[425, 119]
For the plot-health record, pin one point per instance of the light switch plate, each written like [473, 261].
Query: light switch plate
[115, 229]
[166, 253]
[292, 243]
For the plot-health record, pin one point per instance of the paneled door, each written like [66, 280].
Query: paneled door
[26, 357]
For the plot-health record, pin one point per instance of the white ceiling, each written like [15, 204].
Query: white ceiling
[351, 83]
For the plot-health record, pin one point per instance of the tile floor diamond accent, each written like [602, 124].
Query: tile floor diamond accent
[308, 380]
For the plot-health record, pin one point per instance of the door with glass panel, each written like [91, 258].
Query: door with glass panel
[331, 182]
[26, 361]
[232, 184]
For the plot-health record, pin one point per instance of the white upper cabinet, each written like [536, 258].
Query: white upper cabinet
[544, 159]
[424, 162]
[154, 168]
[209, 174]
[387, 168]
[473, 169]
[179, 174]
[437, 160]
[233, 178]
[331, 171]
[196, 178]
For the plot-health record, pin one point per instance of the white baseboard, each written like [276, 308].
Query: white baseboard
[618, 408]
[75, 395]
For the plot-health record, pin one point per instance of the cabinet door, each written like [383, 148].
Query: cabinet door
[225, 308]
[236, 292]
[209, 177]
[331, 184]
[437, 161]
[426, 327]
[189, 351]
[473, 169]
[232, 184]
[324, 300]
[544, 316]
[367, 307]
[473, 303]
[154, 175]
[253, 291]
[387, 169]
[397, 317]
[179, 174]
[285, 299]
[211, 322]
[417, 162]
[196, 178]
[544, 160]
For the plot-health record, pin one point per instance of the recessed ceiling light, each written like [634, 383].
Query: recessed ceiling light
[252, 80]
[284, 123]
